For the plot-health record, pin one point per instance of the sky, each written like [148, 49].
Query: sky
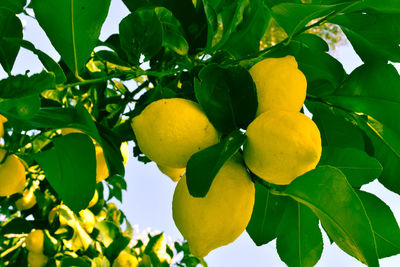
[148, 200]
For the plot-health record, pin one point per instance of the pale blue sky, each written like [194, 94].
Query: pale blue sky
[147, 202]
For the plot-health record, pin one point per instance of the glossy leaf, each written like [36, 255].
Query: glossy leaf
[384, 224]
[10, 27]
[119, 244]
[15, 6]
[266, 217]
[388, 6]
[373, 36]
[328, 194]
[312, 41]
[299, 241]
[73, 27]
[227, 95]
[70, 168]
[356, 165]
[204, 165]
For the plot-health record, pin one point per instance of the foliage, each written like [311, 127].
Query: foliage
[200, 51]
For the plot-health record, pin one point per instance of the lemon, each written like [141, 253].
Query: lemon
[125, 259]
[36, 259]
[88, 220]
[222, 215]
[170, 131]
[34, 241]
[27, 201]
[12, 175]
[125, 152]
[282, 145]
[94, 199]
[280, 84]
[2, 121]
[174, 173]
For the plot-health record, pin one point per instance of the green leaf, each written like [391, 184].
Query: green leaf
[78, 262]
[108, 232]
[10, 27]
[312, 41]
[73, 27]
[141, 33]
[334, 128]
[299, 241]
[227, 95]
[172, 33]
[22, 85]
[15, 6]
[384, 224]
[294, 16]
[328, 194]
[119, 244]
[373, 36]
[266, 217]
[156, 249]
[356, 165]
[16, 226]
[388, 6]
[70, 168]
[204, 165]
[323, 72]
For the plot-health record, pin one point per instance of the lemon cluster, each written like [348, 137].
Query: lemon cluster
[282, 143]
[34, 242]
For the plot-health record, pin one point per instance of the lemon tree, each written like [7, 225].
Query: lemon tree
[262, 133]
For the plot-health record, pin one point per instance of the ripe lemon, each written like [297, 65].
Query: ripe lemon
[27, 201]
[280, 84]
[170, 131]
[125, 259]
[222, 215]
[282, 145]
[88, 220]
[2, 121]
[174, 173]
[34, 241]
[37, 259]
[12, 174]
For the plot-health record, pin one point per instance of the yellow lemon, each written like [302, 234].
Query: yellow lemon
[94, 199]
[174, 173]
[2, 121]
[170, 131]
[27, 201]
[125, 259]
[88, 220]
[280, 84]
[125, 152]
[222, 215]
[37, 259]
[34, 241]
[12, 174]
[282, 145]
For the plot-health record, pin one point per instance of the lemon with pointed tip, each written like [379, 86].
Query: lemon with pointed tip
[222, 215]
[125, 259]
[170, 131]
[174, 173]
[282, 145]
[12, 174]
[280, 84]
[34, 241]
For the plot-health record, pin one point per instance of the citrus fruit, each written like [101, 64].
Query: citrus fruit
[2, 121]
[37, 259]
[12, 174]
[174, 173]
[170, 131]
[125, 152]
[222, 215]
[282, 145]
[27, 201]
[280, 84]
[125, 259]
[34, 241]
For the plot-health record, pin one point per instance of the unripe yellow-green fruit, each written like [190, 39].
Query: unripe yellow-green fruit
[125, 259]
[282, 145]
[174, 173]
[12, 174]
[170, 131]
[280, 84]
[37, 259]
[34, 241]
[27, 201]
[222, 215]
